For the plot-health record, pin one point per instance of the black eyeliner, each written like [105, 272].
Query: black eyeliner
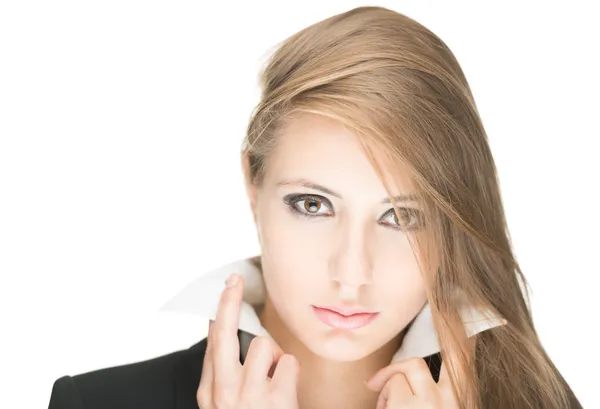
[416, 212]
[291, 200]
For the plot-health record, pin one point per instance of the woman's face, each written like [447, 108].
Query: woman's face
[330, 238]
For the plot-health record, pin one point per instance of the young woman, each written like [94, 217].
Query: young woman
[386, 277]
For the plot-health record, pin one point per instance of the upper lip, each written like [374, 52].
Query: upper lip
[346, 311]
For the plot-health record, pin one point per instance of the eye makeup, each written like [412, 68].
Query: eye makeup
[310, 201]
[309, 205]
[413, 213]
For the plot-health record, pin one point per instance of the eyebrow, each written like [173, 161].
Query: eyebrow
[315, 186]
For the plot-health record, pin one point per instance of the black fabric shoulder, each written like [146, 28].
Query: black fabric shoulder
[166, 382]
[65, 395]
[434, 362]
[147, 384]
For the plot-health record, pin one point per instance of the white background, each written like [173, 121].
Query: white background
[120, 128]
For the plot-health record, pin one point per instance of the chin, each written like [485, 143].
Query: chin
[338, 348]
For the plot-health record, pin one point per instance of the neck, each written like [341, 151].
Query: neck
[325, 383]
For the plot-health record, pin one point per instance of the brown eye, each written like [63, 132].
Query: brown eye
[312, 205]
[407, 219]
[309, 205]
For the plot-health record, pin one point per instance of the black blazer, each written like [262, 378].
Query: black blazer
[167, 382]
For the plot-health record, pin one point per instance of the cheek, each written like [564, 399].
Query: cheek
[293, 254]
[296, 252]
[403, 294]
[400, 286]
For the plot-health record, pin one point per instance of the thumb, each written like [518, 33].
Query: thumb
[286, 375]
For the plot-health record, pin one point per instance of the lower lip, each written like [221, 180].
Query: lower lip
[335, 320]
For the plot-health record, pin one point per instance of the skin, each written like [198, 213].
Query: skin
[270, 378]
[349, 251]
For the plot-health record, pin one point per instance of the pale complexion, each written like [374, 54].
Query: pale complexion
[351, 251]
[269, 378]
[329, 236]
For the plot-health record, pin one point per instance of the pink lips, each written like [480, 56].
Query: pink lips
[344, 319]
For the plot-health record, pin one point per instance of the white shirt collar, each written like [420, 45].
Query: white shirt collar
[202, 297]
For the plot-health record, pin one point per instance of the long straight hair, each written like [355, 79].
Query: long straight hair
[401, 91]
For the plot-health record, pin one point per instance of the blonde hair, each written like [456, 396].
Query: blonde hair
[400, 89]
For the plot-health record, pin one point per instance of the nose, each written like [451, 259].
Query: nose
[351, 265]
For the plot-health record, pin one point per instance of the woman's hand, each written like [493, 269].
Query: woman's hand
[227, 384]
[409, 384]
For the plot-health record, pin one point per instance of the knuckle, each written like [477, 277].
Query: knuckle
[261, 343]
[259, 346]
[203, 398]
[290, 362]
[417, 364]
[396, 379]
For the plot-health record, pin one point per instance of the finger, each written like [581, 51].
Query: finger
[381, 402]
[207, 367]
[206, 380]
[286, 375]
[226, 347]
[263, 354]
[416, 371]
[397, 391]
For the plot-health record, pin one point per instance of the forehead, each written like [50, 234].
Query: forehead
[322, 150]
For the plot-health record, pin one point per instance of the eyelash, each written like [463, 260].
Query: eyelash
[293, 199]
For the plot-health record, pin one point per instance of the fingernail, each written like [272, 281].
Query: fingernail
[232, 280]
